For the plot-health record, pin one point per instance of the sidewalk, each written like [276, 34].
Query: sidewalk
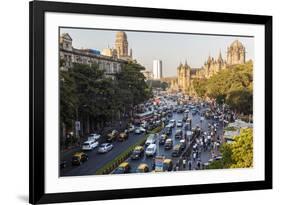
[67, 152]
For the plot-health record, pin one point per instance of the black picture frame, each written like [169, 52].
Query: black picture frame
[37, 11]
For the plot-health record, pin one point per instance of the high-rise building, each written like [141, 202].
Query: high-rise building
[157, 69]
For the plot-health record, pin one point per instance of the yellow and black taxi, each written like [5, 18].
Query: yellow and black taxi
[123, 168]
[177, 149]
[78, 158]
[168, 144]
[138, 152]
[168, 165]
[122, 136]
[143, 168]
[162, 139]
[112, 136]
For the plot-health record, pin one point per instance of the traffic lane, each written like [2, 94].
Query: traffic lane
[97, 160]
[134, 163]
[168, 153]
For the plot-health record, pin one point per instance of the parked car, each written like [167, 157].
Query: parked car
[112, 136]
[168, 144]
[90, 145]
[150, 150]
[123, 168]
[105, 147]
[94, 136]
[137, 153]
[162, 139]
[151, 139]
[79, 158]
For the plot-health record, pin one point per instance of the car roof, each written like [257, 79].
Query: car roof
[123, 164]
[78, 154]
[177, 146]
[167, 160]
[151, 145]
[138, 148]
[142, 166]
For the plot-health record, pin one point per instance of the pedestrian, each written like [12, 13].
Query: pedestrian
[194, 156]
[199, 164]
[183, 163]
[189, 164]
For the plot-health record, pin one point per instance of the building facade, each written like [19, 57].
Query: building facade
[157, 69]
[236, 54]
[69, 55]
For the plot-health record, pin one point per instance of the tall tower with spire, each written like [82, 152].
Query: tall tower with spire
[121, 44]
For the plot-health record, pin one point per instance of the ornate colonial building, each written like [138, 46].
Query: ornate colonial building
[111, 60]
[236, 54]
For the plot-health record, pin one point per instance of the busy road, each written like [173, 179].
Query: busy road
[180, 117]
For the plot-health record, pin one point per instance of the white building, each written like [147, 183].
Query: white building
[157, 69]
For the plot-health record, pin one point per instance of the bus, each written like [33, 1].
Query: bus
[140, 117]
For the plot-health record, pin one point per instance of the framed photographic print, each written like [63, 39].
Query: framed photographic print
[130, 102]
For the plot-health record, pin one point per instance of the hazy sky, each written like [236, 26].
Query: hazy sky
[171, 48]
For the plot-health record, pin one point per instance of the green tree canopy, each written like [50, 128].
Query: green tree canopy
[238, 154]
[233, 85]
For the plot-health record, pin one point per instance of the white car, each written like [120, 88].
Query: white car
[137, 130]
[131, 128]
[172, 122]
[179, 123]
[150, 150]
[94, 136]
[105, 147]
[151, 139]
[142, 129]
[89, 145]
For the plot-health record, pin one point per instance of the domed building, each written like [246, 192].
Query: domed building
[121, 45]
[236, 53]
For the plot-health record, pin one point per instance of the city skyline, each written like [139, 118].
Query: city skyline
[171, 48]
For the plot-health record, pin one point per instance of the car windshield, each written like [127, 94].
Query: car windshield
[136, 151]
[120, 168]
[86, 144]
[150, 149]
[75, 158]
